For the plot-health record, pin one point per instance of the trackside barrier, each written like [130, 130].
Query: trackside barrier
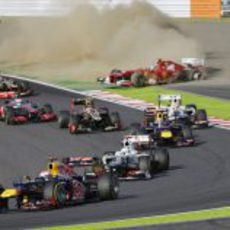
[206, 9]
[172, 8]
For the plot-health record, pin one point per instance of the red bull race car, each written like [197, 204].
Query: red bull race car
[11, 88]
[60, 185]
[19, 111]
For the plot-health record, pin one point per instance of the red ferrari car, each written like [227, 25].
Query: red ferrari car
[20, 111]
[163, 72]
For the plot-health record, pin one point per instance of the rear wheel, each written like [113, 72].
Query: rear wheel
[191, 106]
[108, 187]
[202, 115]
[115, 120]
[136, 129]
[193, 75]
[48, 108]
[63, 119]
[3, 87]
[23, 86]
[116, 71]
[138, 80]
[9, 116]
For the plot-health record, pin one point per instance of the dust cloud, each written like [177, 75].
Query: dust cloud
[89, 42]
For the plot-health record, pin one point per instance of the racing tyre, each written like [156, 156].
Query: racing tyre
[9, 116]
[187, 132]
[48, 108]
[191, 106]
[63, 119]
[201, 115]
[55, 192]
[3, 87]
[145, 165]
[138, 80]
[161, 157]
[116, 120]
[23, 86]
[136, 129]
[74, 123]
[193, 75]
[116, 71]
[108, 186]
[3, 202]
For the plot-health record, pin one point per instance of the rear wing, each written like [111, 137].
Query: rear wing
[195, 62]
[138, 139]
[78, 101]
[81, 102]
[79, 161]
[167, 98]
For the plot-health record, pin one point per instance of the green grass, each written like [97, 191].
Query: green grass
[215, 107]
[193, 216]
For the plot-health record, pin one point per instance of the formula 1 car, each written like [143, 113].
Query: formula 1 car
[58, 186]
[165, 132]
[138, 158]
[163, 72]
[11, 88]
[188, 114]
[19, 111]
[88, 118]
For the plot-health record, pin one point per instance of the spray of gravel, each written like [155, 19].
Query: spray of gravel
[90, 42]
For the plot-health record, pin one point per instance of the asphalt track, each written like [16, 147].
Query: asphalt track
[198, 177]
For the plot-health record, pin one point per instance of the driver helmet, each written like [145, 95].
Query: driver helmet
[175, 103]
[45, 174]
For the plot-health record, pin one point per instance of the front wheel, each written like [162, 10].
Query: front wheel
[56, 193]
[116, 120]
[63, 119]
[187, 132]
[74, 124]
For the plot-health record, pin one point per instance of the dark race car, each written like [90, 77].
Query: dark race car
[87, 118]
[11, 88]
[18, 111]
[164, 131]
[60, 185]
